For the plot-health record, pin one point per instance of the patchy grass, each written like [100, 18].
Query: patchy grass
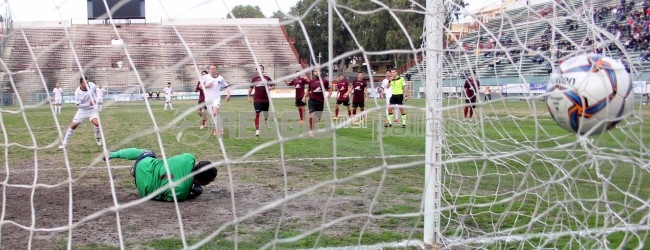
[510, 171]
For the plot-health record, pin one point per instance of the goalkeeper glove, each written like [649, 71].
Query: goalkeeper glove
[195, 191]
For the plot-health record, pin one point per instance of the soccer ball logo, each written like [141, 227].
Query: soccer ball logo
[589, 94]
[185, 125]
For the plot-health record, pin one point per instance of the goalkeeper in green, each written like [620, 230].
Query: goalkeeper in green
[150, 174]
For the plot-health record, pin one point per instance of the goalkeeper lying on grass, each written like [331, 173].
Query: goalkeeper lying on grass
[150, 174]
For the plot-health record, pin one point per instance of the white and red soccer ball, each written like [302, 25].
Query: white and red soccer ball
[590, 94]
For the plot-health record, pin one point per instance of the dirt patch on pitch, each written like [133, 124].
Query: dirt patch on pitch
[40, 217]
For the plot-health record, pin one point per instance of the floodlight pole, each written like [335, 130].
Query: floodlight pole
[433, 23]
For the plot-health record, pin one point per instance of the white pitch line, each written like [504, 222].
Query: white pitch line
[400, 244]
[233, 162]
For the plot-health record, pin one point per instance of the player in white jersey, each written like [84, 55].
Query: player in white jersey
[85, 109]
[212, 84]
[387, 92]
[58, 97]
[100, 97]
[169, 92]
[92, 88]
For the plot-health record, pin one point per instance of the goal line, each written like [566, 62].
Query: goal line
[233, 162]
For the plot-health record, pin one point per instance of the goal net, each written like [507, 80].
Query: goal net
[430, 176]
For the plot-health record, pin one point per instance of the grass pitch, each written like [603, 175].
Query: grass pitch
[509, 172]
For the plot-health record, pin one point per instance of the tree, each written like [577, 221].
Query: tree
[246, 11]
[376, 27]
[279, 14]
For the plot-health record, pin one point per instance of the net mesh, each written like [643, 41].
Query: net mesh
[511, 178]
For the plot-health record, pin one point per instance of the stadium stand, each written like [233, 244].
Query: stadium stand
[156, 51]
[530, 26]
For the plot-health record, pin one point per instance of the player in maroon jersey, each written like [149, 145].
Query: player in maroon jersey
[471, 91]
[315, 89]
[203, 110]
[260, 83]
[360, 93]
[343, 87]
[300, 83]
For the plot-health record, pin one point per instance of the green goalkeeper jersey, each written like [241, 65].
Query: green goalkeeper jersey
[150, 173]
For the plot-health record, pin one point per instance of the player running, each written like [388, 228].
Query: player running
[300, 83]
[213, 83]
[260, 85]
[203, 110]
[316, 98]
[85, 109]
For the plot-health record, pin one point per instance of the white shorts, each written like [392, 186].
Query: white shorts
[100, 100]
[57, 100]
[85, 113]
[388, 100]
[216, 103]
[168, 98]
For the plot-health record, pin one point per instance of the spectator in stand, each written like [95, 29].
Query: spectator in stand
[538, 58]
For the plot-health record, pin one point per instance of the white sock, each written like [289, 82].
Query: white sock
[97, 134]
[100, 107]
[388, 113]
[170, 106]
[68, 135]
[165, 105]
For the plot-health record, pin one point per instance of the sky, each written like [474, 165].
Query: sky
[57, 10]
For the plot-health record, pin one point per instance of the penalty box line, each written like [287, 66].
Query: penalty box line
[236, 162]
